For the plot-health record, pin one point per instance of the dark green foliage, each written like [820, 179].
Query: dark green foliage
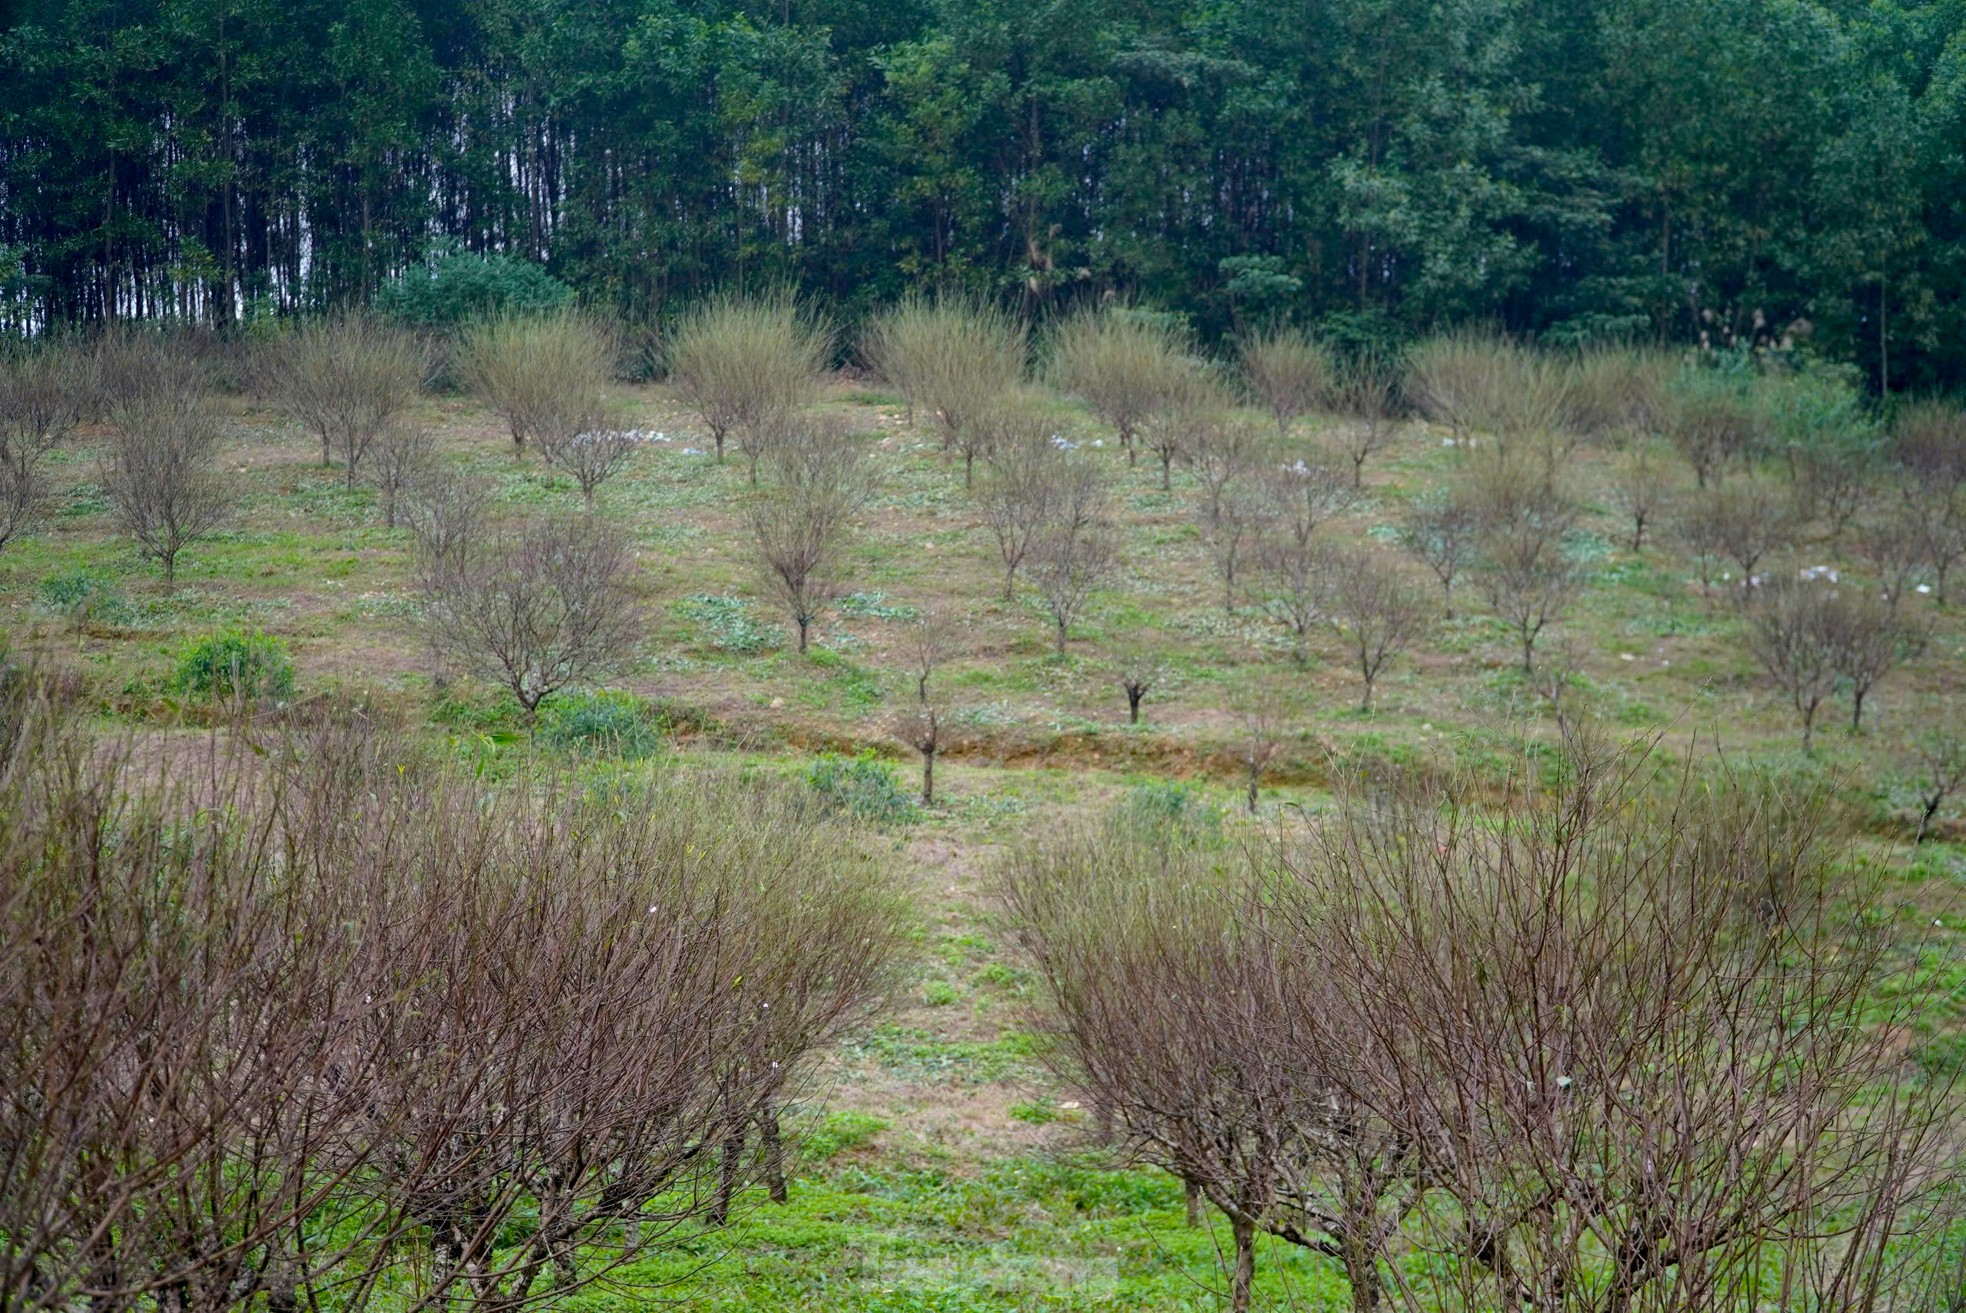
[235, 663]
[452, 286]
[602, 724]
[863, 787]
[1717, 171]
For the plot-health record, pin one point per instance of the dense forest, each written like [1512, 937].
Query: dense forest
[1725, 171]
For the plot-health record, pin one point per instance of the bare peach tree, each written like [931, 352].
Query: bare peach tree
[1928, 443]
[1442, 529]
[1525, 517]
[1366, 394]
[931, 643]
[1237, 531]
[1644, 487]
[747, 365]
[341, 1019]
[1190, 404]
[405, 456]
[1618, 392]
[1374, 611]
[1868, 639]
[800, 524]
[1220, 454]
[44, 392]
[1941, 762]
[1014, 424]
[1894, 546]
[1172, 1010]
[1140, 667]
[1300, 498]
[1074, 550]
[1793, 630]
[536, 605]
[1264, 713]
[1456, 379]
[1742, 521]
[542, 374]
[160, 472]
[1713, 424]
[1118, 359]
[1434, 1025]
[1021, 479]
[954, 358]
[347, 378]
[1287, 372]
[1534, 987]
[590, 445]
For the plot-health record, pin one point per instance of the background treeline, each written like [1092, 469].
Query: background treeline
[1735, 170]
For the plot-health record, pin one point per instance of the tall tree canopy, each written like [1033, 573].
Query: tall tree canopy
[1726, 169]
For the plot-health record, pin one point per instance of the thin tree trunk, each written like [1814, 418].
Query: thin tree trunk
[729, 1160]
[1362, 1275]
[1925, 819]
[1245, 1277]
[1061, 638]
[1194, 1204]
[928, 777]
[774, 1152]
[1133, 696]
[1255, 781]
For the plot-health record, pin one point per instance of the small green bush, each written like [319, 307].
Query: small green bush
[1033, 1114]
[235, 663]
[939, 993]
[84, 598]
[863, 787]
[604, 724]
[731, 624]
[838, 1133]
[1165, 810]
[452, 286]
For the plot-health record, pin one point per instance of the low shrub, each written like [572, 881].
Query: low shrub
[600, 724]
[83, 599]
[863, 787]
[235, 664]
[1164, 810]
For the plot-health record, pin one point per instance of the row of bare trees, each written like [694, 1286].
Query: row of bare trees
[1634, 1038]
[325, 1024]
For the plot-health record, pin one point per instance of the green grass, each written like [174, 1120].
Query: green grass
[1014, 1235]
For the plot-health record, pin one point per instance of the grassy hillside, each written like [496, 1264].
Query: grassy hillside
[942, 1169]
